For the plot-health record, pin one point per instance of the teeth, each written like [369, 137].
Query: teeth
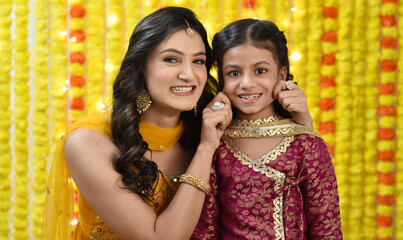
[249, 96]
[181, 89]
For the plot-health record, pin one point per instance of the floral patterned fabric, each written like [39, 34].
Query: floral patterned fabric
[289, 193]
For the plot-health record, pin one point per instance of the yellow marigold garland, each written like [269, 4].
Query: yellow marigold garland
[21, 99]
[96, 54]
[148, 6]
[343, 114]
[212, 18]
[313, 58]
[298, 41]
[249, 9]
[40, 117]
[230, 12]
[6, 46]
[264, 9]
[114, 44]
[132, 12]
[357, 79]
[399, 133]
[58, 68]
[282, 15]
[387, 121]
[371, 35]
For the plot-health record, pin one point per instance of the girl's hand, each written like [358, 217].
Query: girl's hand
[294, 101]
[215, 121]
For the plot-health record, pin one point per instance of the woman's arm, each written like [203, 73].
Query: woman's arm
[89, 159]
[294, 101]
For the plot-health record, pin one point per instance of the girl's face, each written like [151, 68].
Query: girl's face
[175, 73]
[250, 74]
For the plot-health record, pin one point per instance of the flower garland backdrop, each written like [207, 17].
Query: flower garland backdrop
[60, 57]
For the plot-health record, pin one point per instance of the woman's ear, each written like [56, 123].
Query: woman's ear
[282, 74]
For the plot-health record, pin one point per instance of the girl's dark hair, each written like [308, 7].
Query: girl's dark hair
[261, 34]
[138, 173]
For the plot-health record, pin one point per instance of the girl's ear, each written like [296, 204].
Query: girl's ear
[282, 73]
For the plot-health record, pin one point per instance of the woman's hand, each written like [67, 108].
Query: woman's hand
[215, 121]
[294, 101]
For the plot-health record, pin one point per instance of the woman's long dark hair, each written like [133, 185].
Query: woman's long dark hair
[138, 173]
[261, 34]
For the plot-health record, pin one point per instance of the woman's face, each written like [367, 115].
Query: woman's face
[250, 74]
[175, 73]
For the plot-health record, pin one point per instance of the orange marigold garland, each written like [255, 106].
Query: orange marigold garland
[399, 133]
[21, 111]
[387, 120]
[327, 102]
[6, 46]
[343, 114]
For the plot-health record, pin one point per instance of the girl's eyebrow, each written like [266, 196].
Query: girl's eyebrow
[255, 64]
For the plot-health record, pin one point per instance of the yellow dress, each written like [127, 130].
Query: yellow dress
[58, 217]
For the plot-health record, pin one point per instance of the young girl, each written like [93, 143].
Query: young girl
[274, 179]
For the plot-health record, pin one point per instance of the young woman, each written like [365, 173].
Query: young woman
[142, 169]
[274, 179]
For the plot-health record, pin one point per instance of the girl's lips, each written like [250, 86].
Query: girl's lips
[249, 98]
[183, 90]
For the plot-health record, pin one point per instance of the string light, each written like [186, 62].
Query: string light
[293, 9]
[296, 56]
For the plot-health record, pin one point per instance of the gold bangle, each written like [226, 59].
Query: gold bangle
[195, 182]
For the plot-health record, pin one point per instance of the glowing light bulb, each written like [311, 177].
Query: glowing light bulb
[108, 66]
[285, 22]
[178, 2]
[112, 20]
[73, 39]
[67, 82]
[65, 89]
[296, 56]
[293, 9]
[63, 33]
[100, 106]
[74, 222]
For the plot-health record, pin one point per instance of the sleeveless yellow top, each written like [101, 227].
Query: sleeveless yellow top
[58, 216]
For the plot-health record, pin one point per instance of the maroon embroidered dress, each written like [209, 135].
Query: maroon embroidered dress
[288, 193]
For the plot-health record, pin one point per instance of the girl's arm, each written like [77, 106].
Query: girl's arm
[321, 198]
[89, 160]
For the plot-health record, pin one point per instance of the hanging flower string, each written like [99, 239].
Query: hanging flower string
[357, 83]
[132, 12]
[399, 132]
[58, 68]
[95, 56]
[387, 121]
[77, 60]
[249, 8]
[313, 58]
[40, 117]
[21, 99]
[6, 46]
[327, 102]
[343, 111]
[371, 36]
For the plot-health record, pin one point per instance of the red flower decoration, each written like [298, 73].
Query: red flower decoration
[389, 42]
[77, 12]
[388, 66]
[77, 81]
[78, 34]
[386, 134]
[248, 3]
[327, 82]
[384, 221]
[327, 104]
[387, 88]
[330, 36]
[390, 1]
[77, 58]
[387, 178]
[386, 200]
[387, 156]
[388, 20]
[77, 104]
[330, 12]
[327, 127]
[387, 111]
[329, 59]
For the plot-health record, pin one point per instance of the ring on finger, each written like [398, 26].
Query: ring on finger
[290, 85]
[217, 106]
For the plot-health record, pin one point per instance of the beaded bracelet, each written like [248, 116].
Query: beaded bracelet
[195, 182]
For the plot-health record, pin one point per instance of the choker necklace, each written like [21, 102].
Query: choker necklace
[160, 139]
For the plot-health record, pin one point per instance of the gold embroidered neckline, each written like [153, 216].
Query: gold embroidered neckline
[253, 123]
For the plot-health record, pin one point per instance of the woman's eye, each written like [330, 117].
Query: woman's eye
[260, 71]
[200, 61]
[170, 60]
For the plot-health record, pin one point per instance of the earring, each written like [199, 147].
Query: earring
[143, 101]
[195, 110]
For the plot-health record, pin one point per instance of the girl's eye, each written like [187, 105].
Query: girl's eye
[234, 73]
[260, 71]
[170, 60]
[200, 61]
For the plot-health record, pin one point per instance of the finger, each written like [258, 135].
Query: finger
[221, 97]
[278, 87]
